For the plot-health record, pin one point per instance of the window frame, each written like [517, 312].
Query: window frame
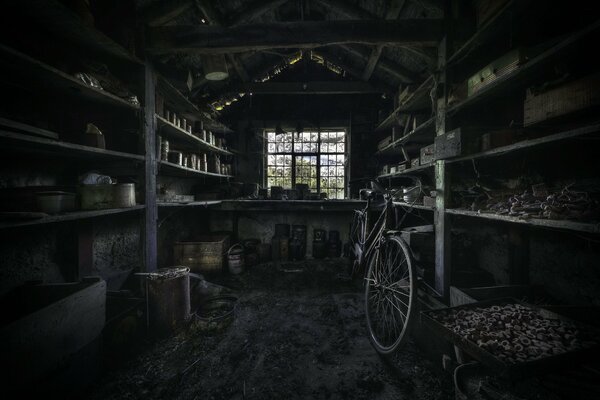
[316, 154]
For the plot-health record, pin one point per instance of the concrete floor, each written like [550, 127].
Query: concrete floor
[295, 334]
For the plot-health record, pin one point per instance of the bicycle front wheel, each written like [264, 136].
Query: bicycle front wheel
[390, 295]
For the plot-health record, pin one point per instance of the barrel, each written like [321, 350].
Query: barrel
[235, 259]
[299, 235]
[168, 299]
[280, 248]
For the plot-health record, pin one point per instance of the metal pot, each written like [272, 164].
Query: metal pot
[124, 195]
[55, 202]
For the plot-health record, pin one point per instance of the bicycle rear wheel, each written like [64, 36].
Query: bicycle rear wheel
[390, 295]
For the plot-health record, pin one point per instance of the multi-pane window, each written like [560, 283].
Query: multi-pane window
[315, 158]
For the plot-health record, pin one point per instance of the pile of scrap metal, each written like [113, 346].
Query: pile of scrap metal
[564, 204]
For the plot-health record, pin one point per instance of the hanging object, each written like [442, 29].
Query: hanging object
[215, 67]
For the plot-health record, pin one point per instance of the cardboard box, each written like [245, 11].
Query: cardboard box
[497, 68]
[428, 154]
[568, 98]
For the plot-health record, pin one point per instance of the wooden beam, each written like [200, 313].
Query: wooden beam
[430, 4]
[214, 18]
[392, 13]
[160, 13]
[373, 59]
[398, 71]
[317, 87]
[346, 9]
[213, 39]
[254, 11]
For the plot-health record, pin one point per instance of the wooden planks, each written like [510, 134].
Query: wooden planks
[307, 34]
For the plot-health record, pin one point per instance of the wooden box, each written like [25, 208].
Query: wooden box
[45, 325]
[427, 154]
[570, 97]
[497, 68]
[414, 162]
[458, 142]
[204, 255]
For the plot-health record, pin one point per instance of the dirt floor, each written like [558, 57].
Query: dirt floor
[298, 333]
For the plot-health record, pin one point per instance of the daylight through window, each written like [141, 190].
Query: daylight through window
[315, 158]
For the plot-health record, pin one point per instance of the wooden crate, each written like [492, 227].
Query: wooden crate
[384, 143]
[568, 98]
[497, 68]
[458, 142]
[204, 255]
[427, 154]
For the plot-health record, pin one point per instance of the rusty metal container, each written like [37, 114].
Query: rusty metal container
[168, 299]
[205, 255]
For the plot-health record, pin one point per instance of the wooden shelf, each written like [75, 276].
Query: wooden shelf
[498, 25]
[178, 133]
[419, 100]
[527, 144]
[417, 206]
[526, 74]
[71, 216]
[424, 134]
[542, 223]
[35, 74]
[32, 144]
[178, 170]
[61, 21]
[202, 203]
[409, 171]
[186, 107]
[291, 205]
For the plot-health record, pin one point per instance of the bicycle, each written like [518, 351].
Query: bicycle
[390, 278]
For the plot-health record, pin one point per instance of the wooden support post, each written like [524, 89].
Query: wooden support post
[442, 229]
[150, 169]
[442, 186]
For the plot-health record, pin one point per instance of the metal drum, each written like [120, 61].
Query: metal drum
[168, 299]
[299, 236]
[319, 235]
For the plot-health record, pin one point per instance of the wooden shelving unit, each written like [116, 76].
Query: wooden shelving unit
[168, 129]
[423, 134]
[38, 75]
[70, 216]
[418, 100]
[186, 108]
[526, 74]
[201, 203]
[184, 172]
[416, 206]
[469, 57]
[541, 223]
[530, 143]
[32, 144]
[409, 171]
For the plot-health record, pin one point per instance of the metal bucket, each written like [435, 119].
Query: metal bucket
[168, 298]
[235, 259]
[124, 195]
